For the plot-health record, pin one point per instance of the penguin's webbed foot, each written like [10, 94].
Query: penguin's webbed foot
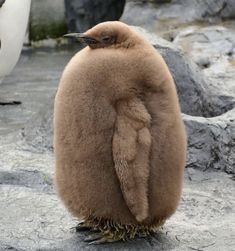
[100, 238]
[107, 231]
[83, 226]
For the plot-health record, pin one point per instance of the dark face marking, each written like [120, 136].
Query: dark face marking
[107, 39]
[93, 42]
[89, 40]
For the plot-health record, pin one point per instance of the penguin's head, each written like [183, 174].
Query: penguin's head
[106, 34]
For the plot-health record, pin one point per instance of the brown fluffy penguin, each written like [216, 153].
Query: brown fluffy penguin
[119, 139]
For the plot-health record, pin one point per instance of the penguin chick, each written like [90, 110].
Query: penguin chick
[119, 139]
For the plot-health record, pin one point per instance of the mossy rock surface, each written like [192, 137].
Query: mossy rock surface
[47, 19]
[42, 30]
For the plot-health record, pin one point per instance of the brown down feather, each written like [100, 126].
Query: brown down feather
[119, 139]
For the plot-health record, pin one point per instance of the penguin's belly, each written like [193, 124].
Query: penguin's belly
[167, 158]
[85, 176]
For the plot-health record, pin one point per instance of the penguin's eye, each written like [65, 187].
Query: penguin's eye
[107, 39]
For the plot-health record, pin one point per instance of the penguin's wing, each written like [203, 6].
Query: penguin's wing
[131, 149]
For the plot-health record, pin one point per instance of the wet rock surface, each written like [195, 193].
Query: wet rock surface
[213, 50]
[38, 70]
[192, 88]
[33, 218]
[211, 142]
[183, 9]
[167, 19]
[198, 10]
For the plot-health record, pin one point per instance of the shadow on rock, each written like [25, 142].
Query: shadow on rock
[159, 242]
[31, 179]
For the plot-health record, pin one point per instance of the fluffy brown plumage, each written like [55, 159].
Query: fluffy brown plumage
[119, 141]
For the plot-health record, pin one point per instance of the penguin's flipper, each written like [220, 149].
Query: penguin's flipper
[131, 148]
[2, 2]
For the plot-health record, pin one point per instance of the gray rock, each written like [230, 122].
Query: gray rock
[228, 10]
[168, 19]
[33, 218]
[211, 142]
[33, 90]
[212, 49]
[83, 14]
[25, 178]
[196, 95]
[198, 10]
[39, 133]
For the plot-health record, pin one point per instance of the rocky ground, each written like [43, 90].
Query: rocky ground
[201, 59]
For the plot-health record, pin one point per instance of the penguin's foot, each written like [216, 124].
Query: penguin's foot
[101, 238]
[13, 102]
[109, 231]
[83, 226]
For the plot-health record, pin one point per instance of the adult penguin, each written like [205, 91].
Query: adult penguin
[14, 16]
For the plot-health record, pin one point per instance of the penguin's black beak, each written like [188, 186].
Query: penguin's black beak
[82, 37]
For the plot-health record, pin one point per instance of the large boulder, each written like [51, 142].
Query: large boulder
[213, 50]
[184, 10]
[211, 142]
[200, 10]
[167, 19]
[83, 14]
[196, 95]
[206, 91]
